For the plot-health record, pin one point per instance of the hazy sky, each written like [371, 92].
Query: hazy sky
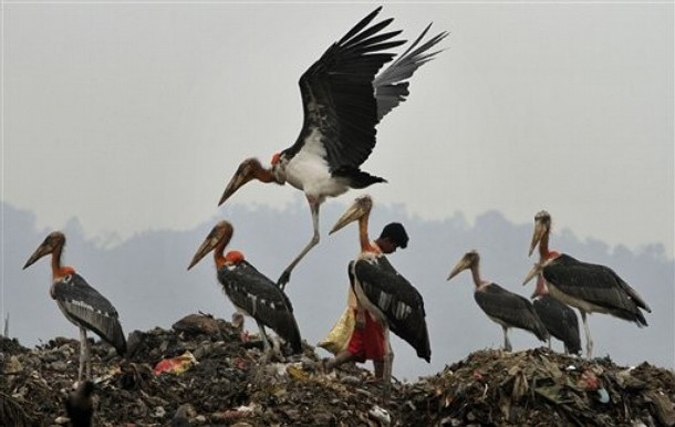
[134, 116]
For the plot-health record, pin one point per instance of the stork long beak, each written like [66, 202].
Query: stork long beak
[236, 182]
[534, 271]
[462, 265]
[247, 170]
[221, 232]
[46, 248]
[539, 230]
[356, 211]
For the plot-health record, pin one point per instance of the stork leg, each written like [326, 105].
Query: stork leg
[507, 343]
[587, 331]
[314, 205]
[84, 356]
[549, 343]
[388, 361]
[267, 349]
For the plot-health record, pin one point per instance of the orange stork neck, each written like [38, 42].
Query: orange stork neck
[264, 175]
[218, 254]
[59, 271]
[364, 240]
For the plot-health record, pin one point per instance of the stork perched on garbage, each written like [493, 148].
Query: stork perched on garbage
[83, 305]
[383, 291]
[504, 307]
[249, 290]
[559, 319]
[588, 287]
[343, 101]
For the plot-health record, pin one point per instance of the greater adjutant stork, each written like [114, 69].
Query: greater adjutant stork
[343, 100]
[559, 319]
[249, 290]
[588, 287]
[80, 303]
[383, 291]
[504, 307]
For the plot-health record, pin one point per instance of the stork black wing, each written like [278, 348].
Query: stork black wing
[260, 298]
[85, 306]
[560, 321]
[597, 284]
[391, 87]
[397, 299]
[512, 309]
[338, 95]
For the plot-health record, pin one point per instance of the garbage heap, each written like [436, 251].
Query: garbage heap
[205, 372]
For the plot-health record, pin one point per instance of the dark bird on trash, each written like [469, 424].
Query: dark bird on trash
[343, 101]
[590, 288]
[559, 319]
[80, 405]
[504, 307]
[250, 291]
[80, 303]
[384, 292]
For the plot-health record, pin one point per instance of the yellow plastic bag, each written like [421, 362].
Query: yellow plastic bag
[338, 337]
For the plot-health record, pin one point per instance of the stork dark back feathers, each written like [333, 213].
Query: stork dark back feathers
[84, 305]
[510, 309]
[598, 285]
[560, 321]
[260, 298]
[398, 300]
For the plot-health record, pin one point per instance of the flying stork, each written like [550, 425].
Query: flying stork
[559, 319]
[384, 292]
[504, 307]
[249, 290]
[343, 101]
[80, 303]
[588, 287]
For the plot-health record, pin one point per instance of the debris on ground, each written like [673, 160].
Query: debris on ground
[214, 379]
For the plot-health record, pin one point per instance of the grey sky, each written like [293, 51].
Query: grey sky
[133, 117]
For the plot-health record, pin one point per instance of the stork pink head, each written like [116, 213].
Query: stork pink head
[552, 255]
[234, 257]
[275, 158]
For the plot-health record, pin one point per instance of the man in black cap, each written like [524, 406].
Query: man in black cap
[367, 340]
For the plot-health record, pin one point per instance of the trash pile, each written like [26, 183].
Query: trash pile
[205, 372]
[540, 387]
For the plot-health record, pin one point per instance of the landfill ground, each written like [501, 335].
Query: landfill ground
[202, 373]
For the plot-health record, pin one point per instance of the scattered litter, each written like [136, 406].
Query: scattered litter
[488, 387]
[176, 365]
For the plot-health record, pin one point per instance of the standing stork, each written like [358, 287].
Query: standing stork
[83, 305]
[504, 307]
[380, 289]
[588, 287]
[559, 319]
[343, 100]
[249, 290]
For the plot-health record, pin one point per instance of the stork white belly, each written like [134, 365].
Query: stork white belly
[573, 301]
[309, 171]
